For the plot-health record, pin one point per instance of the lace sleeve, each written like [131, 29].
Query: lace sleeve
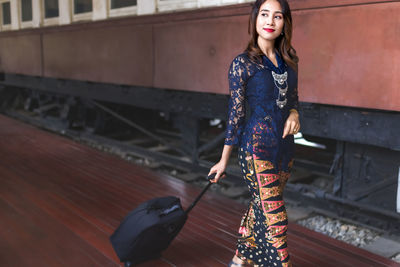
[237, 77]
[293, 96]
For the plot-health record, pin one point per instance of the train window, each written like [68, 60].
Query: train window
[122, 3]
[51, 8]
[82, 6]
[122, 8]
[6, 10]
[26, 10]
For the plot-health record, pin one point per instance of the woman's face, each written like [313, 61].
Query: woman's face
[270, 20]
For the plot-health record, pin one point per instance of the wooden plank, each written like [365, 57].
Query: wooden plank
[47, 233]
[18, 243]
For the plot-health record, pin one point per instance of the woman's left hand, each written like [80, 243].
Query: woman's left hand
[292, 124]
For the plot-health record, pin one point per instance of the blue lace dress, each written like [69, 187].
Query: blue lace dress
[264, 156]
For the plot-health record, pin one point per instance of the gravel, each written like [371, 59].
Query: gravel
[396, 258]
[353, 234]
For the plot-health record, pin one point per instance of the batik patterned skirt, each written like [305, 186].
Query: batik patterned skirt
[262, 232]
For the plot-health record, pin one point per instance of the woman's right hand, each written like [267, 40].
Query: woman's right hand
[219, 170]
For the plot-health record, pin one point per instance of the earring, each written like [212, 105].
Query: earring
[282, 33]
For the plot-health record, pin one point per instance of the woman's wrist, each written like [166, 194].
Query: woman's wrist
[226, 153]
[294, 112]
[223, 162]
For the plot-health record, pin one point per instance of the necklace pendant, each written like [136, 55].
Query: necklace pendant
[281, 79]
[281, 103]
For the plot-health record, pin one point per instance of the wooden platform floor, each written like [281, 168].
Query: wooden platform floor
[60, 201]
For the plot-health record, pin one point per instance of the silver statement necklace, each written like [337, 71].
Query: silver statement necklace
[281, 79]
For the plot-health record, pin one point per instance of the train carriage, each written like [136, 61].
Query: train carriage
[170, 57]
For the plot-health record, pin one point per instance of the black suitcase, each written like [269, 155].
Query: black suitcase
[148, 230]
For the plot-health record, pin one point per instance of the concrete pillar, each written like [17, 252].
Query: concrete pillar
[100, 9]
[14, 8]
[398, 193]
[146, 7]
[37, 13]
[65, 11]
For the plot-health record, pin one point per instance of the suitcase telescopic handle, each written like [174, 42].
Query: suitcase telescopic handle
[210, 177]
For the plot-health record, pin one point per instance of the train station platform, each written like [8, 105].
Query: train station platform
[61, 200]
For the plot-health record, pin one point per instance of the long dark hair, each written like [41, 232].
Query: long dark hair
[282, 43]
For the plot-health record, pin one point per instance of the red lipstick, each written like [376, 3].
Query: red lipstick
[269, 30]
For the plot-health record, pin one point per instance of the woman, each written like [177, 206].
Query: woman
[265, 76]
